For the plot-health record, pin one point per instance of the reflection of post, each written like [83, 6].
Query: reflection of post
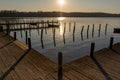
[54, 38]
[82, 32]
[99, 30]
[69, 26]
[88, 31]
[106, 29]
[93, 30]
[42, 39]
[64, 33]
[74, 32]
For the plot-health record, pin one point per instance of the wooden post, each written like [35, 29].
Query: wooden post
[74, 32]
[92, 50]
[52, 22]
[1, 29]
[111, 42]
[93, 30]
[8, 27]
[88, 31]
[82, 33]
[29, 43]
[82, 29]
[99, 30]
[42, 39]
[54, 38]
[64, 33]
[106, 29]
[15, 36]
[60, 73]
[69, 26]
[26, 37]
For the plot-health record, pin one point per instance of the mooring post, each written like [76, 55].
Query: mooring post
[64, 33]
[88, 31]
[60, 73]
[74, 32]
[54, 38]
[8, 27]
[1, 29]
[99, 30]
[29, 43]
[92, 50]
[111, 42]
[15, 36]
[69, 26]
[93, 31]
[106, 29]
[26, 34]
[82, 29]
[42, 39]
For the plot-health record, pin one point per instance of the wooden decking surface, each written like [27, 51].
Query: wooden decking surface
[35, 66]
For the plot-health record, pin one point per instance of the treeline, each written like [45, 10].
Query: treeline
[7, 13]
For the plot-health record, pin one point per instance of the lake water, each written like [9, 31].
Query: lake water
[72, 45]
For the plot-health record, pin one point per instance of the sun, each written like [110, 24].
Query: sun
[61, 2]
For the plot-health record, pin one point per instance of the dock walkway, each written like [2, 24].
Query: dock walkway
[34, 66]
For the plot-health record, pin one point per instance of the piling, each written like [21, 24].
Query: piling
[54, 38]
[99, 30]
[15, 36]
[64, 33]
[106, 29]
[1, 29]
[26, 36]
[82, 29]
[88, 31]
[111, 42]
[74, 32]
[60, 62]
[42, 39]
[29, 43]
[69, 26]
[92, 50]
[93, 30]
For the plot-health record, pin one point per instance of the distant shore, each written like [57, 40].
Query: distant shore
[6, 13]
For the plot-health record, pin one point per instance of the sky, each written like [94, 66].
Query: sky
[107, 6]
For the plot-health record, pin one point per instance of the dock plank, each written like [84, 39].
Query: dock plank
[35, 66]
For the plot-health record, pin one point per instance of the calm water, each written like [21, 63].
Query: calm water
[72, 47]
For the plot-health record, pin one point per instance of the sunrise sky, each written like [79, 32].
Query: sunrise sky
[109, 6]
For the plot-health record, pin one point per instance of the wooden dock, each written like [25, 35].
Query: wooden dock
[34, 66]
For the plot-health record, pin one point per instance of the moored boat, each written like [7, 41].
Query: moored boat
[116, 30]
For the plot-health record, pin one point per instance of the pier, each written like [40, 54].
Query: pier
[19, 61]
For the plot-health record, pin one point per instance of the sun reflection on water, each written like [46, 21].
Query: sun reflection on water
[61, 24]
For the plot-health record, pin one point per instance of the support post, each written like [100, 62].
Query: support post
[60, 73]
[15, 36]
[111, 42]
[106, 29]
[92, 50]
[26, 37]
[29, 43]
[1, 29]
